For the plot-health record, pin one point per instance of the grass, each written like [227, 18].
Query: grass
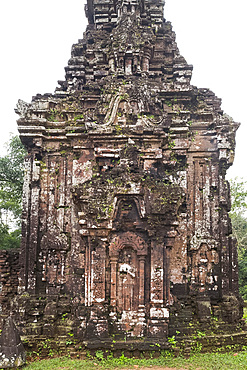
[209, 361]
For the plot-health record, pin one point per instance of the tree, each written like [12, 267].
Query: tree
[239, 228]
[11, 183]
[238, 212]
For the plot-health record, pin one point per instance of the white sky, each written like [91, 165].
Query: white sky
[36, 39]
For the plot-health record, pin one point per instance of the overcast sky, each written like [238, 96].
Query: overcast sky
[36, 39]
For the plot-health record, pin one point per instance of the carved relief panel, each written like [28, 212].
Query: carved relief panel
[127, 280]
[127, 253]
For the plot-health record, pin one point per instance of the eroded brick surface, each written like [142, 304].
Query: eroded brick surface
[9, 270]
[125, 225]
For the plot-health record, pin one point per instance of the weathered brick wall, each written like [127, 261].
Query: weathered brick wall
[9, 270]
[125, 210]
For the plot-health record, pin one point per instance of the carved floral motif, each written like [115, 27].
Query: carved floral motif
[128, 239]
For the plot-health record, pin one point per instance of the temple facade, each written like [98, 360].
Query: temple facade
[126, 232]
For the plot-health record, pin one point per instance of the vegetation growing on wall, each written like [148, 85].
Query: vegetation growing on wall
[11, 182]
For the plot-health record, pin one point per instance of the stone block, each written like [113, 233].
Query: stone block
[12, 353]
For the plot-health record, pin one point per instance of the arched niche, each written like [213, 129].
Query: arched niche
[127, 252]
[128, 211]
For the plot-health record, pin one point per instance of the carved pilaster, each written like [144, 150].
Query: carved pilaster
[113, 263]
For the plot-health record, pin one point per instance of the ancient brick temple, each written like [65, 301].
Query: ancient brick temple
[126, 230]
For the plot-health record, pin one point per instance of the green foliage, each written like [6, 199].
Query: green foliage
[242, 266]
[238, 212]
[208, 361]
[172, 340]
[238, 196]
[99, 355]
[9, 239]
[79, 117]
[239, 227]
[11, 183]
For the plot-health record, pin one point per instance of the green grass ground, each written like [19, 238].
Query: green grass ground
[212, 361]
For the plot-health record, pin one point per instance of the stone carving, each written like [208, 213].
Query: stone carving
[22, 108]
[125, 220]
[202, 237]
[202, 263]
[127, 280]
[53, 239]
[128, 239]
[12, 353]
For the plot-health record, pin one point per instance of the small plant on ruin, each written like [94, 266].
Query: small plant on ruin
[99, 355]
[172, 340]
